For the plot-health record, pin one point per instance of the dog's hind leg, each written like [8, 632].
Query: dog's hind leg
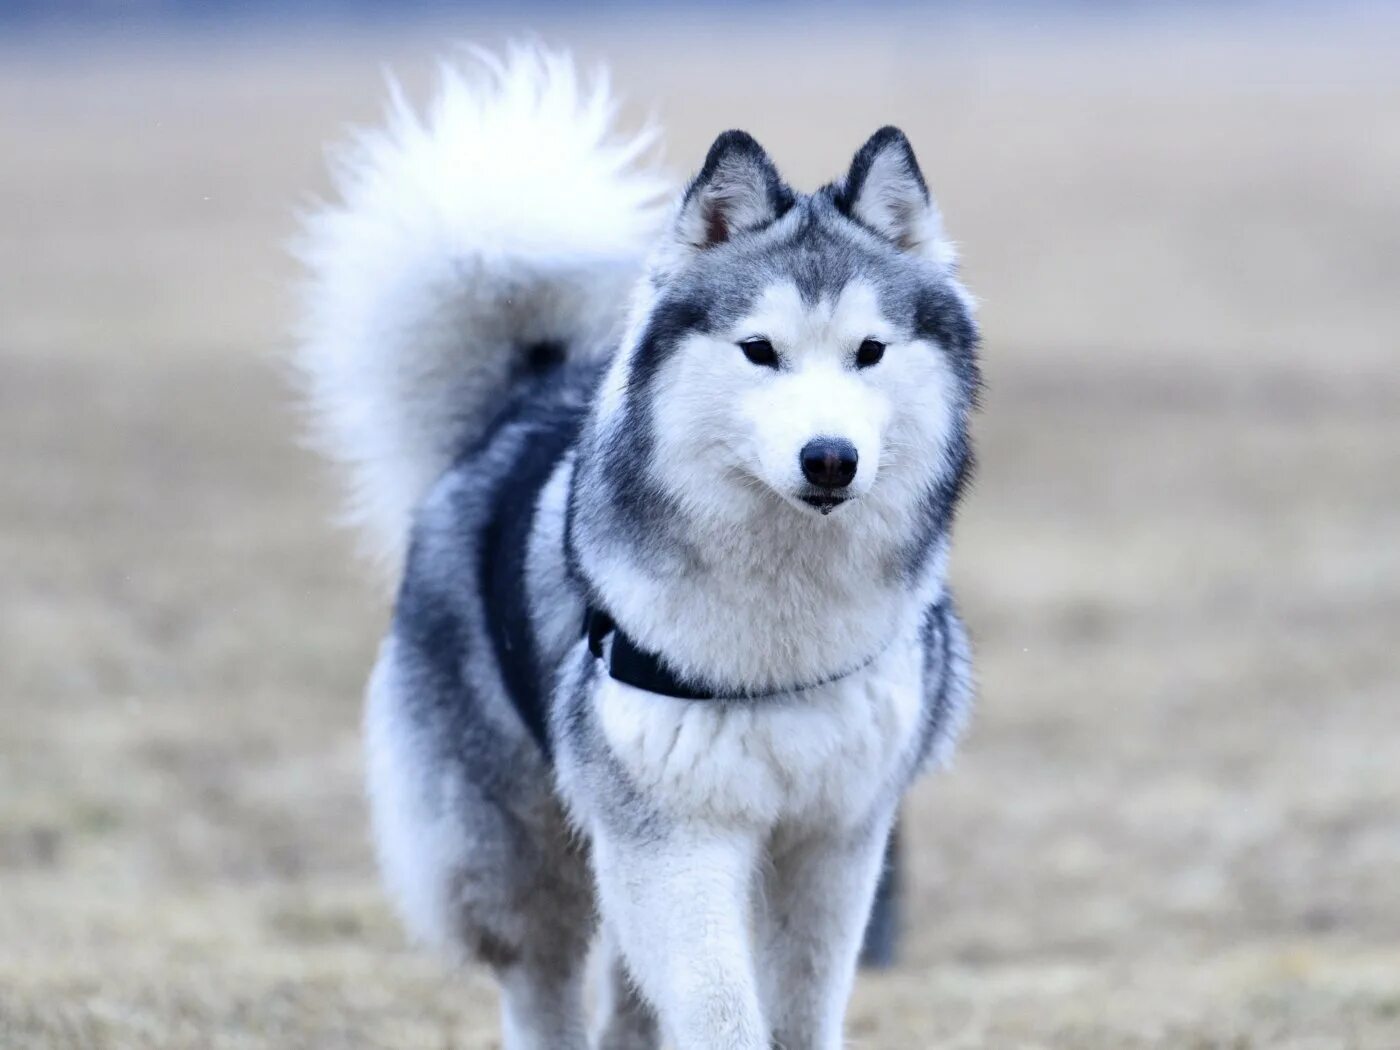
[626, 1020]
[817, 894]
[542, 1004]
[476, 853]
[881, 945]
[542, 979]
[542, 982]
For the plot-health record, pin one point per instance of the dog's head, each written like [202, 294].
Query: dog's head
[813, 350]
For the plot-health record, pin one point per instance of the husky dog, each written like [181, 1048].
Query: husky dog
[671, 635]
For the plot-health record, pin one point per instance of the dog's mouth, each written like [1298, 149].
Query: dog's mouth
[825, 502]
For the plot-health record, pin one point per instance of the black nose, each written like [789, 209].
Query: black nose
[829, 462]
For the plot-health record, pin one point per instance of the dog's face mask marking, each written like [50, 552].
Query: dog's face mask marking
[810, 348]
[797, 415]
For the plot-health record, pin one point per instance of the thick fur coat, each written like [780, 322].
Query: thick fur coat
[730, 435]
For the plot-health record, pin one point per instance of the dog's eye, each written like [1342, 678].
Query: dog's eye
[760, 352]
[869, 353]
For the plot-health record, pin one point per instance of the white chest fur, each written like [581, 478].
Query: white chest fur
[827, 754]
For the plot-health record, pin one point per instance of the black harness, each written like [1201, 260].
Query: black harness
[632, 665]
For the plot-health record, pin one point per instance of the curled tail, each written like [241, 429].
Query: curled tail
[507, 220]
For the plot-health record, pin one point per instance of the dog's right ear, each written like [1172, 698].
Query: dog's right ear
[738, 189]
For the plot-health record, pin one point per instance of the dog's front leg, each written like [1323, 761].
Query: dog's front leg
[818, 890]
[679, 905]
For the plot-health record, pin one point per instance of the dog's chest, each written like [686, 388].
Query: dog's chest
[828, 754]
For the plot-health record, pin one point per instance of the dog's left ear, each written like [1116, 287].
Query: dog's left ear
[885, 192]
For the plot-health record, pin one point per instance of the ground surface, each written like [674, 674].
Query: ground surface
[1176, 822]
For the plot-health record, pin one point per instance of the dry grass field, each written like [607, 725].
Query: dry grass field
[1176, 822]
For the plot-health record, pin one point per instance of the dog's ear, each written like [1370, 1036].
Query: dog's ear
[885, 192]
[737, 189]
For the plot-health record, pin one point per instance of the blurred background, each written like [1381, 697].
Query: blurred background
[1176, 820]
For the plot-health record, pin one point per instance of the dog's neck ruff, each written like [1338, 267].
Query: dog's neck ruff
[632, 665]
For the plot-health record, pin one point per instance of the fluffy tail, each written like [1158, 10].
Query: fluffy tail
[509, 219]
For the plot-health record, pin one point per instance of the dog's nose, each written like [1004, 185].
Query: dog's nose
[829, 462]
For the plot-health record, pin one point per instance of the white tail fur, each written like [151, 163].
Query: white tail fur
[510, 216]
